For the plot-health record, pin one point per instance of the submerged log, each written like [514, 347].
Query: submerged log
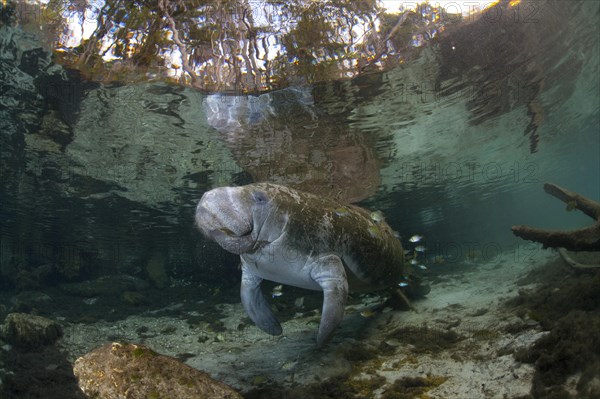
[573, 263]
[584, 239]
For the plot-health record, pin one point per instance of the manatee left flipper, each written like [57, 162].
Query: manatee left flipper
[328, 271]
[256, 305]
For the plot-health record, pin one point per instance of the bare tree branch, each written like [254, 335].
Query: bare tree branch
[584, 239]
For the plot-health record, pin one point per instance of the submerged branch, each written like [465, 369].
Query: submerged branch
[585, 205]
[584, 239]
[573, 263]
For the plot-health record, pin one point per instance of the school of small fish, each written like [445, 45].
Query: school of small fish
[414, 255]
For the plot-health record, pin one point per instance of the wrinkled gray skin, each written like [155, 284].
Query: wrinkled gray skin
[299, 239]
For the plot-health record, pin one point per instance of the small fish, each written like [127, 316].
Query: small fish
[413, 262]
[415, 238]
[420, 248]
[396, 234]
[571, 205]
[422, 267]
[377, 216]
[367, 313]
[342, 211]
[277, 291]
[403, 284]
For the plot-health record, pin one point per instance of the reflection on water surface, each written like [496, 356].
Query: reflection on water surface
[240, 46]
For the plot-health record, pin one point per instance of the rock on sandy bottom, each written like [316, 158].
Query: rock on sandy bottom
[29, 331]
[120, 370]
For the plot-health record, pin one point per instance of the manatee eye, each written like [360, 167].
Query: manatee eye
[260, 197]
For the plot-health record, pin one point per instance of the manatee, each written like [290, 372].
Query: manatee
[303, 240]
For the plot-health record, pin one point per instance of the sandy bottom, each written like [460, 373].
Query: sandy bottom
[458, 343]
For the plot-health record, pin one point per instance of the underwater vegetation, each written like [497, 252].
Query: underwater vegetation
[572, 346]
[354, 384]
[426, 340]
[341, 388]
[568, 307]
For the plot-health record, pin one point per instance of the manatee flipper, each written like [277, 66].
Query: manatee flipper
[329, 273]
[255, 303]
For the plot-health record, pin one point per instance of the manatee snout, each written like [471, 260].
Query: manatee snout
[223, 216]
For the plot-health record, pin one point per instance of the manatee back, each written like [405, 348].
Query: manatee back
[372, 255]
[371, 251]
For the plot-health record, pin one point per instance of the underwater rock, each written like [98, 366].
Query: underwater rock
[26, 300]
[29, 331]
[120, 370]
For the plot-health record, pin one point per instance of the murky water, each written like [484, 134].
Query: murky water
[452, 137]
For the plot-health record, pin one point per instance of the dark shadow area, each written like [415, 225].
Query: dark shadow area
[43, 374]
